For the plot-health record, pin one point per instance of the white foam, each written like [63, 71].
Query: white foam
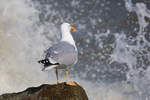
[21, 46]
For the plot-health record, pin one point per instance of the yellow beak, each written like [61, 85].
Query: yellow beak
[72, 28]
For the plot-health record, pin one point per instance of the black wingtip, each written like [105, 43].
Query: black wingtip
[46, 62]
[39, 61]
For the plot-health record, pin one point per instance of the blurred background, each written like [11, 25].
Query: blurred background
[112, 37]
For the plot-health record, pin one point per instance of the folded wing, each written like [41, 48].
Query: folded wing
[62, 53]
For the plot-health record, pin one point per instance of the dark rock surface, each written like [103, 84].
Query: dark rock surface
[62, 91]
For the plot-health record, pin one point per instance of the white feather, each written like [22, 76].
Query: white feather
[50, 67]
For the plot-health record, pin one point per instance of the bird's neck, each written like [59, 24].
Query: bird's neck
[67, 37]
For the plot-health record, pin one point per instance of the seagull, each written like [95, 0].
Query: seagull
[62, 54]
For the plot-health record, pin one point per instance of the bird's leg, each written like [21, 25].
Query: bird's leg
[67, 82]
[66, 75]
[57, 76]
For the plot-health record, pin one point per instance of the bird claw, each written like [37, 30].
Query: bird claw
[71, 83]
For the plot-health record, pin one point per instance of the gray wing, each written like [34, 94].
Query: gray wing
[62, 53]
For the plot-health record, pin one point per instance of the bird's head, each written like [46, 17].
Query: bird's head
[67, 27]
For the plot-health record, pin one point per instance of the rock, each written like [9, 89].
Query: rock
[62, 91]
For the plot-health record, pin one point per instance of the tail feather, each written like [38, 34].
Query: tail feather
[49, 67]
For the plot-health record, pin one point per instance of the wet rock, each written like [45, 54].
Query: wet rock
[63, 91]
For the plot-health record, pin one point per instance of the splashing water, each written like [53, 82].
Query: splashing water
[112, 65]
[21, 46]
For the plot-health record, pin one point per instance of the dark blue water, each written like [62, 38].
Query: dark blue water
[93, 20]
